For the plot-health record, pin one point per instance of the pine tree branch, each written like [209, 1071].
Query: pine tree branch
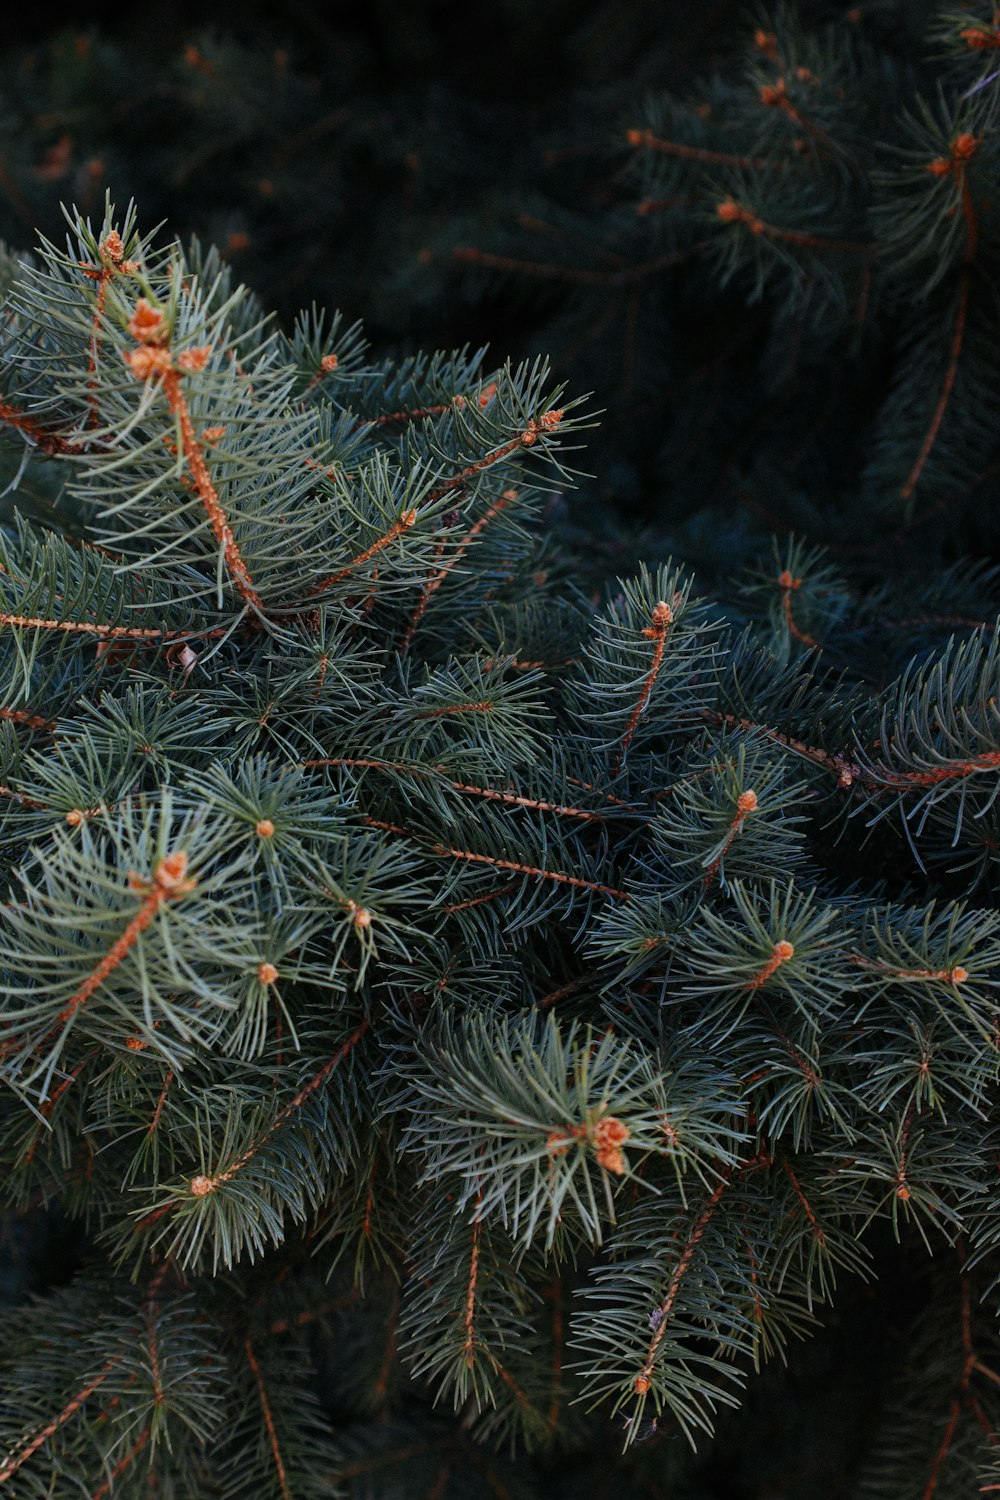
[272, 1433]
[13, 1462]
[123, 1464]
[436, 580]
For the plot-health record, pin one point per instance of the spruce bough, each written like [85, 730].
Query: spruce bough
[423, 987]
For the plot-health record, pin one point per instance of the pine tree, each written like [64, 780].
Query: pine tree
[779, 278]
[774, 265]
[445, 1017]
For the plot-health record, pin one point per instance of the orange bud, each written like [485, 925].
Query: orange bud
[783, 951]
[202, 1186]
[612, 1160]
[147, 362]
[147, 325]
[610, 1132]
[170, 872]
[641, 1385]
[267, 973]
[194, 359]
[747, 801]
[74, 817]
[265, 828]
[978, 38]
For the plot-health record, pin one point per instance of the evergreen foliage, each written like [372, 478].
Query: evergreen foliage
[771, 252]
[468, 1021]
[450, 1016]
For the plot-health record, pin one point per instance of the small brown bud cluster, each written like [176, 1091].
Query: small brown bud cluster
[963, 148]
[170, 873]
[169, 878]
[981, 38]
[609, 1136]
[113, 253]
[547, 422]
[148, 327]
[664, 615]
[731, 212]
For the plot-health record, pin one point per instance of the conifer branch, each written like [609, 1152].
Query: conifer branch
[124, 1463]
[532, 870]
[469, 1344]
[272, 1433]
[663, 618]
[13, 1462]
[643, 1381]
[202, 1186]
[153, 360]
[746, 803]
[787, 584]
[636, 137]
[989, 760]
[490, 794]
[81, 627]
[781, 953]
[169, 883]
[113, 263]
[435, 581]
[398, 528]
[46, 439]
[732, 212]
[537, 427]
[21, 716]
[944, 396]
[818, 1232]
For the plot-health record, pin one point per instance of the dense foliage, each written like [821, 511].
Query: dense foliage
[399, 953]
[766, 241]
[466, 1017]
